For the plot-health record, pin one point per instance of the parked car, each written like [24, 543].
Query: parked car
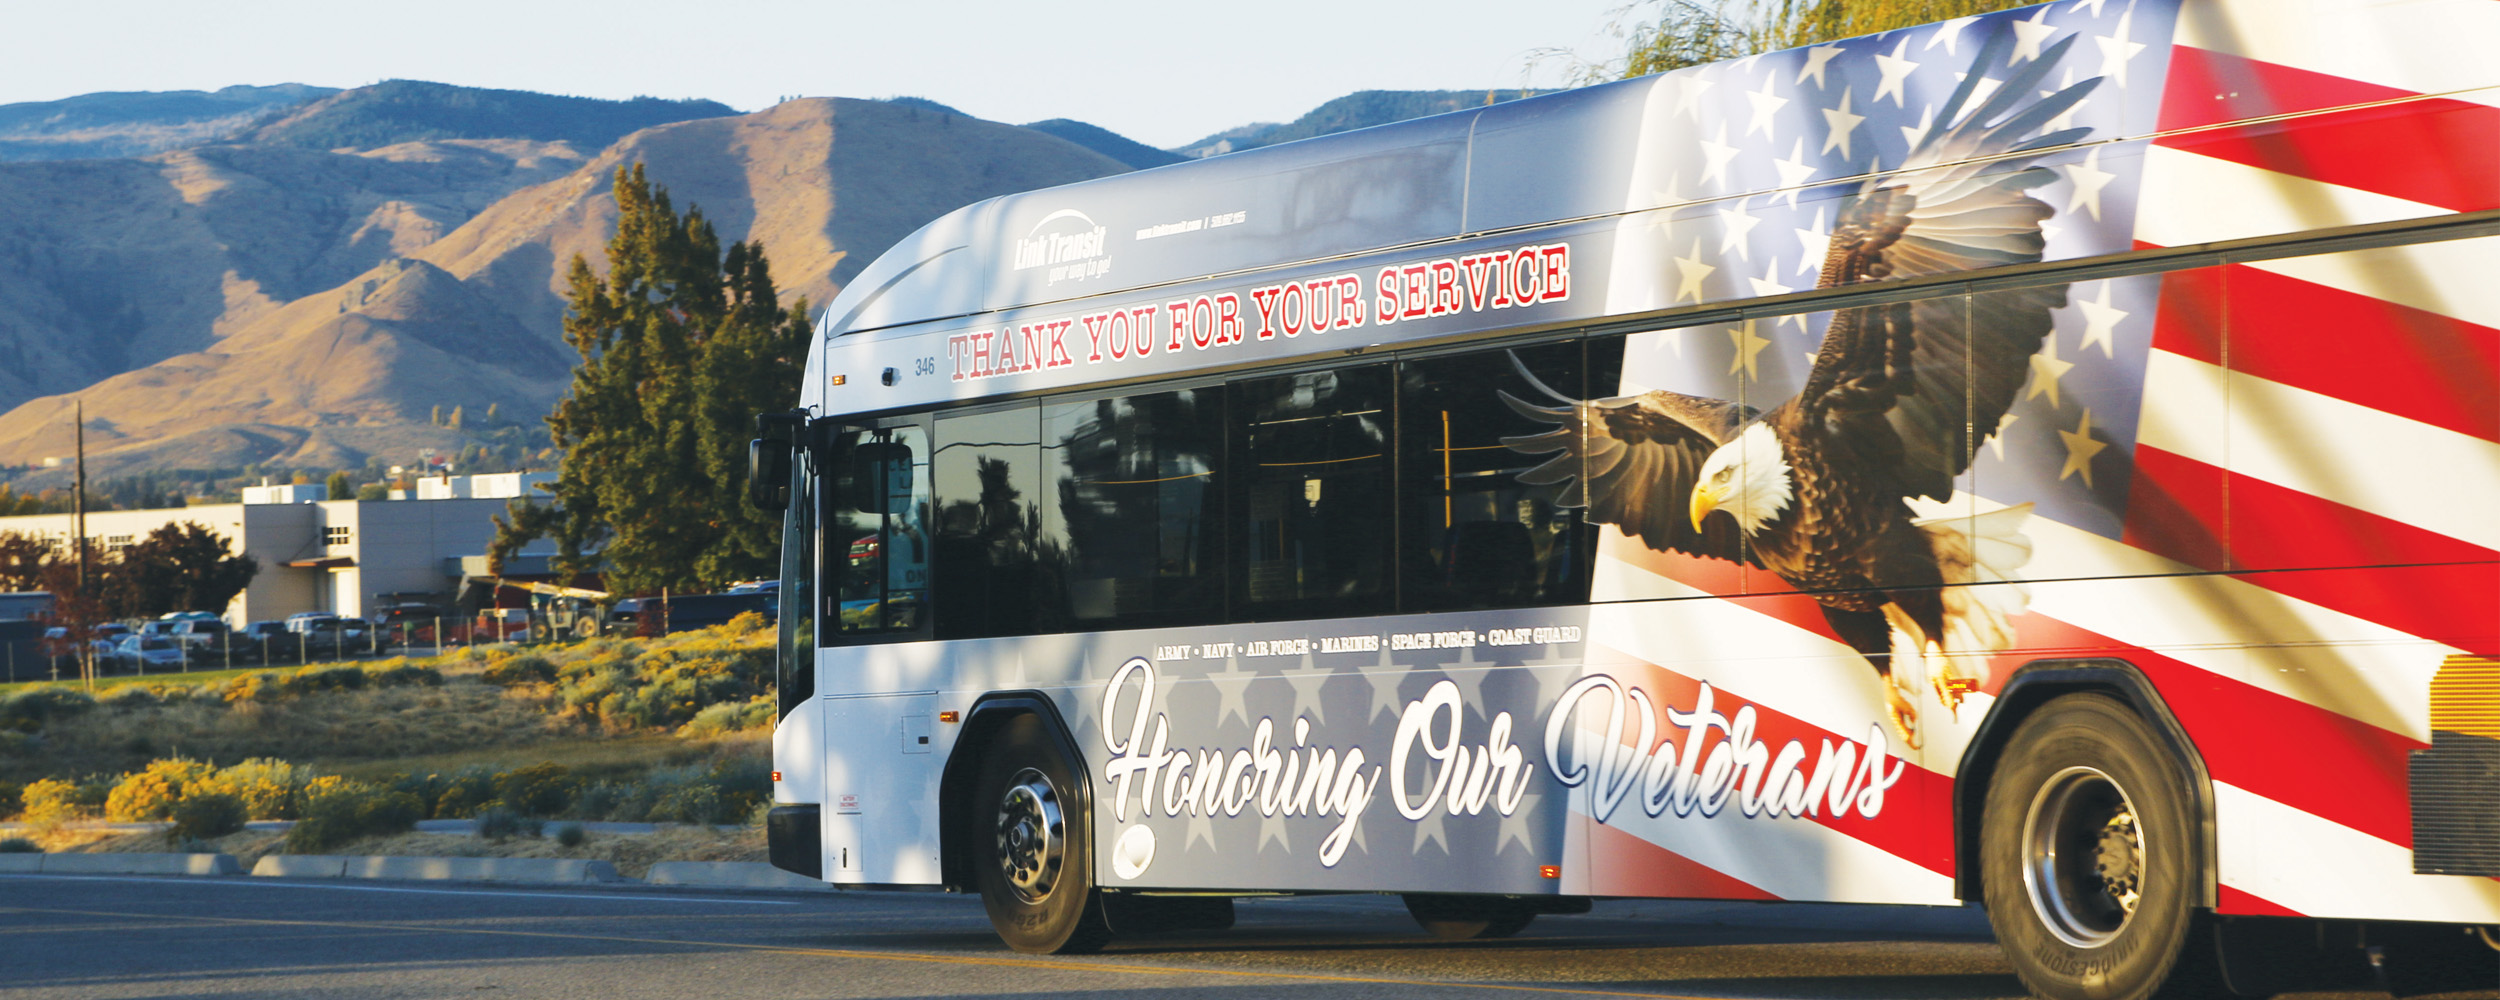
[311, 621]
[687, 612]
[270, 642]
[208, 638]
[148, 654]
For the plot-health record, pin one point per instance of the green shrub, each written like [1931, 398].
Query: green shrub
[52, 801]
[30, 709]
[572, 835]
[400, 673]
[263, 686]
[18, 845]
[728, 717]
[268, 788]
[207, 815]
[131, 697]
[346, 811]
[501, 823]
[692, 802]
[527, 668]
[315, 680]
[151, 793]
[464, 792]
[542, 789]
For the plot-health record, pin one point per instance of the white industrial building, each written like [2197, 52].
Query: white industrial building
[332, 555]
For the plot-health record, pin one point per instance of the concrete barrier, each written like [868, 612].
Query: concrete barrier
[730, 875]
[301, 866]
[120, 864]
[537, 870]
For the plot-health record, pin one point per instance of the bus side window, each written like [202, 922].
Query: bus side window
[876, 543]
[1311, 478]
[796, 650]
[988, 471]
[1472, 535]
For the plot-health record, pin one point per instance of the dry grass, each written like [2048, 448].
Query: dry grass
[334, 728]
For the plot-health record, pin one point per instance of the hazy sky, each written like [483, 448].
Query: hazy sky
[1161, 73]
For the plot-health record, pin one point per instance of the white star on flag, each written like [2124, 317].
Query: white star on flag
[2028, 35]
[2089, 179]
[1918, 134]
[1717, 153]
[2100, 322]
[1948, 33]
[1689, 273]
[1817, 244]
[1816, 59]
[1688, 88]
[1766, 107]
[1735, 225]
[2116, 50]
[1895, 69]
[1794, 171]
[1841, 123]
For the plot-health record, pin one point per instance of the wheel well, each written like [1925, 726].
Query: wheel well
[2034, 685]
[982, 724]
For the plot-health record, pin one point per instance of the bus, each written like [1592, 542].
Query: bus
[2044, 460]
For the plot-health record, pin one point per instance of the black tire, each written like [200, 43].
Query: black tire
[1467, 918]
[1032, 846]
[2088, 853]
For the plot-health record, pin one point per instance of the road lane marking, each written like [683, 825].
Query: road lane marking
[871, 956]
[433, 892]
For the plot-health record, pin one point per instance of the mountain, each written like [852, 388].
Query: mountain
[300, 308]
[1361, 109]
[1136, 154]
[98, 126]
[397, 111]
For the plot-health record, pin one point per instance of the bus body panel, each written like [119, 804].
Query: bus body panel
[2263, 480]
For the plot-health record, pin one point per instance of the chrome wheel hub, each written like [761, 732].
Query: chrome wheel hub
[1031, 835]
[2083, 857]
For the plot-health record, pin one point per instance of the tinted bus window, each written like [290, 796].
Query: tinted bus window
[988, 469]
[1473, 535]
[1311, 480]
[1132, 510]
[876, 540]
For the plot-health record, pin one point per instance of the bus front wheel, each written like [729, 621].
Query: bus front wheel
[2087, 853]
[1033, 846]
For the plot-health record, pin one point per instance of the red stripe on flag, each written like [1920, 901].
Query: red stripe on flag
[2239, 902]
[2311, 759]
[2390, 357]
[1620, 864]
[2431, 150]
[2415, 581]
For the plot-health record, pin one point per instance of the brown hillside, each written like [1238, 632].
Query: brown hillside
[302, 326]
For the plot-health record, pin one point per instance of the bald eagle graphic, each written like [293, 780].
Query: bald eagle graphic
[1817, 490]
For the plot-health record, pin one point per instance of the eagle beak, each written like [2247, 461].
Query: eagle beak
[1705, 500]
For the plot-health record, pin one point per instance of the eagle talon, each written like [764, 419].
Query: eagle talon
[1902, 713]
[1951, 687]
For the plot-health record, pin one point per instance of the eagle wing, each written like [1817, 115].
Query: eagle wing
[1632, 462]
[1941, 371]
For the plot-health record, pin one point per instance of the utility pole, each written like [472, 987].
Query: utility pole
[78, 518]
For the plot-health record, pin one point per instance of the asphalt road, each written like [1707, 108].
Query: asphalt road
[169, 938]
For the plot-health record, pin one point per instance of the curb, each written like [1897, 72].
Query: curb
[731, 875]
[563, 871]
[543, 871]
[119, 864]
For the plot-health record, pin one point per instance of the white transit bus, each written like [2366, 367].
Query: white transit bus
[2045, 459]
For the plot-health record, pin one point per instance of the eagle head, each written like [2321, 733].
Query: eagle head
[1747, 477]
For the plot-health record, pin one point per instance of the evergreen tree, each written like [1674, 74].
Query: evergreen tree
[682, 343]
[340, 486]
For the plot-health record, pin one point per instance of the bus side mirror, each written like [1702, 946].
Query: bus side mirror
[768, 474]
[768, 459]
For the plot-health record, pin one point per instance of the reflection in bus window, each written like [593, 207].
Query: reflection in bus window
[989, 495]
[1131, 509]
[875, 529]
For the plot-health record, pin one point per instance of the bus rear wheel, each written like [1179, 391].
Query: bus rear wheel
[1033, 847]
[1466, 918]
[2088, 858]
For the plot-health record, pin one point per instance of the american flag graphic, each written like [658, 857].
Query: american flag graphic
[2268, 484]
